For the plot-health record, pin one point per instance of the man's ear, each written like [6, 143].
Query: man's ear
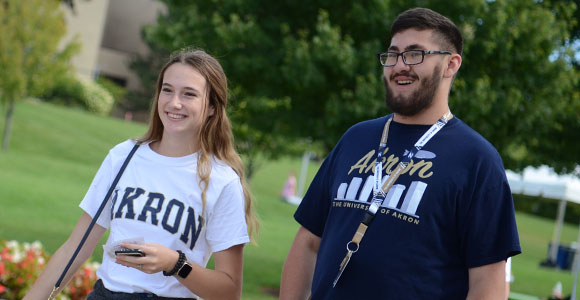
[453, 65]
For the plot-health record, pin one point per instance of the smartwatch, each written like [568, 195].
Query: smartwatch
[184, 270]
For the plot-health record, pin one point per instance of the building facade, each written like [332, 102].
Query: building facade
[109, 32]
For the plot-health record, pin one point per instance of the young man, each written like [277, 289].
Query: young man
[444, 228]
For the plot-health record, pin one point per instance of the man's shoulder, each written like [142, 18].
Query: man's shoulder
[470, 145]
[366, 126]
[469, 136]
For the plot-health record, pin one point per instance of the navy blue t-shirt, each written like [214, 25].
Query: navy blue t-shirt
[450, 210]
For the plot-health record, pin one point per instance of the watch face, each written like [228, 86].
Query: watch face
[184, 271]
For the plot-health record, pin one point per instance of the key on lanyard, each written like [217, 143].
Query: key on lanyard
[380, 193]
[345, 261]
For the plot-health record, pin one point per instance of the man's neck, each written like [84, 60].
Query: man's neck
[427, 116]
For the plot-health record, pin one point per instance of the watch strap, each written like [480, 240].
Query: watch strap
[178, 265]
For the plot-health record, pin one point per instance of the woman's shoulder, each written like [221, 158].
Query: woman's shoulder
[127, 144]
[122, 149]
[222, 171]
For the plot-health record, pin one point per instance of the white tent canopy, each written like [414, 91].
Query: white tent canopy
[544, 182]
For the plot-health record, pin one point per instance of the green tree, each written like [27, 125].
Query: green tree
[146, 67]
[308, 69]
[29, 52]
[294, 75]
[517, 85]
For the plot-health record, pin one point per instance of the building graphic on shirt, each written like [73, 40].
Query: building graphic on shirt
[358, 192]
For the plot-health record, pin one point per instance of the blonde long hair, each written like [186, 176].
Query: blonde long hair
[215, 136]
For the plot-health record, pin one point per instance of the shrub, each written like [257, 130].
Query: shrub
[78, 92]
[546, 208]
[66, 91]
[118, 92]
[97, 99]
[21, 263]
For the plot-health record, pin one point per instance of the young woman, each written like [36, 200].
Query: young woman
[181, 199]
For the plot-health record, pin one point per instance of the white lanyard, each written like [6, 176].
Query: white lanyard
[379, 194]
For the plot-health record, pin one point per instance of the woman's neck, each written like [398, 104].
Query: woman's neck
[173, 147]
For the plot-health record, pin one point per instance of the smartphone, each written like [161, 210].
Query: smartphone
[130, 252]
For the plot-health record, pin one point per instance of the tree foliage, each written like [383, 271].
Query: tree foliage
[517, 86]
[294, 75]
[30, 57]
[308, 69]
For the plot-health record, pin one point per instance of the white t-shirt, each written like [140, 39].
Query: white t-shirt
[508, 270]
[158, 198]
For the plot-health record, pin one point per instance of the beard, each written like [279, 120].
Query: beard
[419, 100]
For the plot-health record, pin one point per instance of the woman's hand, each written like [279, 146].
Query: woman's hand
[157, 258]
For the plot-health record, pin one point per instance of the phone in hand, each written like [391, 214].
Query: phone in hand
[130, 252]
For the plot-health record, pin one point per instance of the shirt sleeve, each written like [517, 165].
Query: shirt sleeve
[226, 224]
[490, 231]
[313, 209]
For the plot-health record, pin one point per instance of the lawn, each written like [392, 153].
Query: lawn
[53, 156]
[55, 152]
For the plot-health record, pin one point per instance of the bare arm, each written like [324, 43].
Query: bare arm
[299, 266]
[45, 282]
[487, 282]
[224, 282]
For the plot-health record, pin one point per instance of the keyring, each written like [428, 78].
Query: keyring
[348, 248]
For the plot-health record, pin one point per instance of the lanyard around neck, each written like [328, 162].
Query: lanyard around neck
[380, 191]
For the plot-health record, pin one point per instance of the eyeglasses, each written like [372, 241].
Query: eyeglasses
[410, 57]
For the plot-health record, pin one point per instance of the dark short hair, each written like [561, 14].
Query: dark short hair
[423, 19]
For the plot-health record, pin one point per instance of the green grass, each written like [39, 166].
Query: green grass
[55, 153]
[53, 156]
[530, 277]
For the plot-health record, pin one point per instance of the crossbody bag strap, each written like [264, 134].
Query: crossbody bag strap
[93, 222]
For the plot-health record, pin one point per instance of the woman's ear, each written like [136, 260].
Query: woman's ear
[453, 65]
[211, 111]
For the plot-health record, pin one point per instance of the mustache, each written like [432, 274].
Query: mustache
[404, 73]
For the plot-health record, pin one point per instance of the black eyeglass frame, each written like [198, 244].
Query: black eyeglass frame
[423, 53]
